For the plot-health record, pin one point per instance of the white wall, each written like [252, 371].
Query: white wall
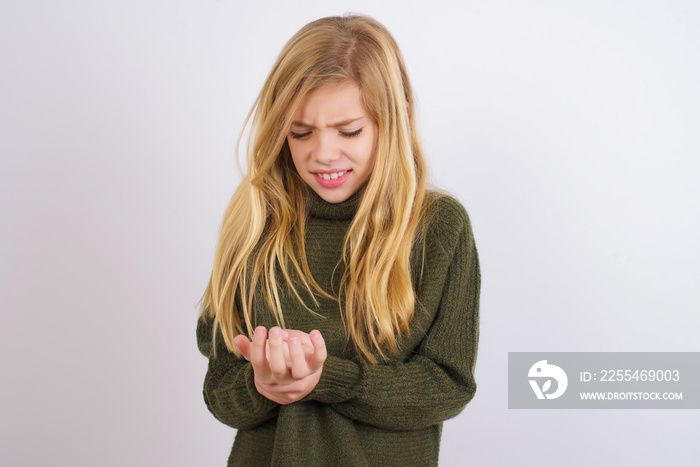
[568, 129]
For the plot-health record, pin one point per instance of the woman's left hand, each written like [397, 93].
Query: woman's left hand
[287, 364]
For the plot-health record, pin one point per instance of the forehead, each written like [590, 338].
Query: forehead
[330, 103]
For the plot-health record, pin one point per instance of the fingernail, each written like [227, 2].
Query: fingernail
[260, 330]
[294, 341]
[275, 332]
[285, 333]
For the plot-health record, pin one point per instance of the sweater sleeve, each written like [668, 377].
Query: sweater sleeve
[437, 380]
[229, 388]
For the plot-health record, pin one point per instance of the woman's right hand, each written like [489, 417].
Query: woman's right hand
[287, 363]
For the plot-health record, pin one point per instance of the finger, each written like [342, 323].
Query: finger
[304, 339]
[257, 353]
[243, 345]
[289, 333]
[278, 367]
[300, 367]
[285, 339]
[285, 351]
[320, 354]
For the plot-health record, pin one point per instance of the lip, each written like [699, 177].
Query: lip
[332, 171]
[333, 183]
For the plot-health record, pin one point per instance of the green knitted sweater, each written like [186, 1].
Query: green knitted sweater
[362, 414]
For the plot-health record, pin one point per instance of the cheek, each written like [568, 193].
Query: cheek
[295, 151]
[361, 150]
[368, 152]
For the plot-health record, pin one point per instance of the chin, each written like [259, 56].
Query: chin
[333, 198]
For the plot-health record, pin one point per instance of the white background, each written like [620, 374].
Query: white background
[569, 130]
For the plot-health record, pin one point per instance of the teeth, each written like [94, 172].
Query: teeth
[332, 176]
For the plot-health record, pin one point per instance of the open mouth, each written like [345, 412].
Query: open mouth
[332, 179]
[333, 175]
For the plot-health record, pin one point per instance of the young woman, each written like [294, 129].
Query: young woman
[341, 317]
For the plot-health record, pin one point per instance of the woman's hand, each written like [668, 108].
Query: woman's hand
[287, 363]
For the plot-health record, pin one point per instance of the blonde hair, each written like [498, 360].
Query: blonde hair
[267, 212]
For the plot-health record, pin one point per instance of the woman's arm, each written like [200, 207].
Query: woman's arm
[229, 386]
[437, 380]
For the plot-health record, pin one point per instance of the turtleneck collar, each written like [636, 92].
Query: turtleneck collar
[344, 210]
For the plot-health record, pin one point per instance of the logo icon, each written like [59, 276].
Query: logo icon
[543, 371]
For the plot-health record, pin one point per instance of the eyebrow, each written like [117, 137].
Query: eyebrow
[332, 125]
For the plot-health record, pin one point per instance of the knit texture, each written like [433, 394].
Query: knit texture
[362, 414]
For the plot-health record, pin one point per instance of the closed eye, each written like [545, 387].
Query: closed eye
[299, 135]
[351, 133]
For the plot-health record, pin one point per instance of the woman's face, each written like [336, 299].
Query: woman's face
[333, 141]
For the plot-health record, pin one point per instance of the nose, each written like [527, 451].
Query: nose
[325, 151]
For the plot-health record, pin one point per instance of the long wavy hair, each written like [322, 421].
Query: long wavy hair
[267, 213]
